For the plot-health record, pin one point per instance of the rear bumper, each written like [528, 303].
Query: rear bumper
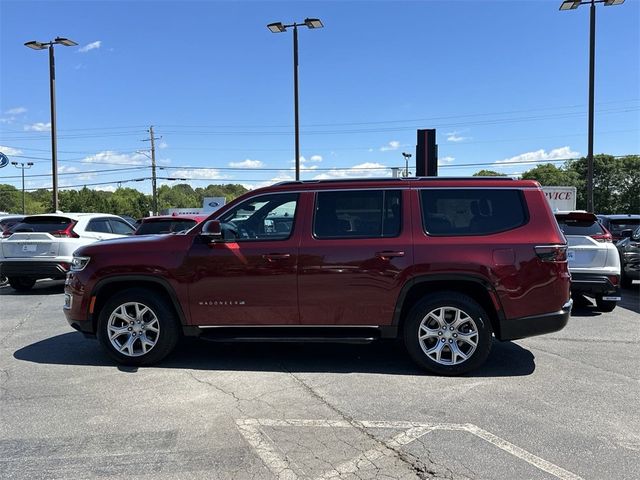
[516, 328]
[593, 284]
[34, 269]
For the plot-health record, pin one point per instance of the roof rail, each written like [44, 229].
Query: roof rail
[389, 179]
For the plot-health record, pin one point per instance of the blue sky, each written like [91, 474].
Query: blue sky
[502, 81]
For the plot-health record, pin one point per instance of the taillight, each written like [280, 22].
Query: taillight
[552, 253]
[6, 233]
[614, 279]
[603, 237]
[67, 232]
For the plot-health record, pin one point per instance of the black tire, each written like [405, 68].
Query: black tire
[22, 284]
[166, 320]
[466, 305]
[605, 305]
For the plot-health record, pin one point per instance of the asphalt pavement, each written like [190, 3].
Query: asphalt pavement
[563, 405]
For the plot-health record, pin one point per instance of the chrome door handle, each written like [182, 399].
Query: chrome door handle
[272, 257]
[387, 254]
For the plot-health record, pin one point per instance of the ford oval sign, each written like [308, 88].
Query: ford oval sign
[4, 160]
[211, 204]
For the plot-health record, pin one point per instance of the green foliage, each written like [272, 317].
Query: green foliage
[123, 201]
[550, 175]
[489, 173]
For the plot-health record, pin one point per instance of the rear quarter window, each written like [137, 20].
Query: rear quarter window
[481, 211]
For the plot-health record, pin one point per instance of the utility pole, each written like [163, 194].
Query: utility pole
[154, 190]
[22, 166]
[406, 156]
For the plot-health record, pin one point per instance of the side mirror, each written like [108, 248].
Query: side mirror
[212, 230]
[626, 233]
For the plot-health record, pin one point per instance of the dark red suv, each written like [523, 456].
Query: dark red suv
[444, 263]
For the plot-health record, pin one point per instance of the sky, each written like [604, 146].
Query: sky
[503, 82]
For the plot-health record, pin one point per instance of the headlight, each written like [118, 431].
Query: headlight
[78, 263]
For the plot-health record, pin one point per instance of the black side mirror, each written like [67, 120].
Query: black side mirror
[212, 230]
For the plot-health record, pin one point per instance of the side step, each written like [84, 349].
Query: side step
[291, 334]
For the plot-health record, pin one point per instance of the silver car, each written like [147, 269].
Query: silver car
[42, 246]
[594, 262]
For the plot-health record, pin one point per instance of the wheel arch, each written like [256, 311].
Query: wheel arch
[476, 287]
[108, 287]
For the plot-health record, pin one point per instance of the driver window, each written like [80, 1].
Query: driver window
[267, 217]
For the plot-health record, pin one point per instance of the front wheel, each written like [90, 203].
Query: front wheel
[22, 284]
[448, 333]
[605, 305]
[137, 327]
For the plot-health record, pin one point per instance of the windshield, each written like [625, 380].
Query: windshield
[169, 225]
[42, 224]
[570, 226]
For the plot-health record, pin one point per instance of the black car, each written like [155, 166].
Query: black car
[629, 249]
[616, 224]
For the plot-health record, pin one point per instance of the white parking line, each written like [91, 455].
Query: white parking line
[281, 467]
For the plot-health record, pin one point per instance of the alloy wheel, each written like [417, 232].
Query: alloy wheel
[448, 335]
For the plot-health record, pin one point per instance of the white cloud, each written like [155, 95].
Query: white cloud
[66, 169]
[392, 145]
[196, 174]
[281, 177]
[163, 145]
[16, 111]
[367, 169]
[315, 158]
[106, 188]
[455, 137]
[10, 151]
[248, 163]
[38, 127]
[111, 157]
[446, 160]
[90, 46]
[541, 155]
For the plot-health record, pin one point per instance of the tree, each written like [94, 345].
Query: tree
[550, 175]
[489, 173]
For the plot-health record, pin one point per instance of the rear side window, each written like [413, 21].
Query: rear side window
[481, 211]
[571, 226]
[164, 226]
[624, 224]
[358, 214]
[42, 224]
[121, 228]
[100, 225]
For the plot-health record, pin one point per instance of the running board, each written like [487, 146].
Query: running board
[291, 335]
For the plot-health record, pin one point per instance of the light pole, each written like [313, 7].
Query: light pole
[279, 27]
[406, 156]
[52, 90]
[23, 167]
[572, 5]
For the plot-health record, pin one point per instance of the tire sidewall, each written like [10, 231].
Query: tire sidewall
[21, 284]
[167, 320]
[448, 299]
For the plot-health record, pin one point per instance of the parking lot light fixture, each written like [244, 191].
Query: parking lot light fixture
[36, 45]
[572, 5]
[279, 27]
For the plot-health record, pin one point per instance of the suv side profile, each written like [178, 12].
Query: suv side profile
[443, 263]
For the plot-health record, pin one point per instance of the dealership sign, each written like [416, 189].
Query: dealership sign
[561, 198]
[4, 160]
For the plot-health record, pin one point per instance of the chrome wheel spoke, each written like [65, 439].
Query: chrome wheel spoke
[448, 335]
[133, 329]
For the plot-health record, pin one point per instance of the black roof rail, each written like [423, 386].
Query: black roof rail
[389, 179]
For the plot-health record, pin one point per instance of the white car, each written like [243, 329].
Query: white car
[594, 262]
[42, 246]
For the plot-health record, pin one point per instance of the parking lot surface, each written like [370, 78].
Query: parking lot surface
[562, 405]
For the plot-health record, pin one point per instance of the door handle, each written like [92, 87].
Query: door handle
[272, 257]
[387, 254]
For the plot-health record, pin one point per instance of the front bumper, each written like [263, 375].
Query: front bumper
[77, 306]
[594, 284]
[516, 328]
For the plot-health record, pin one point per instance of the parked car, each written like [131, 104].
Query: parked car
[42, 246]
[594, 262]
[443, 263]
[629, 249]
[616, 224]
[167, 224]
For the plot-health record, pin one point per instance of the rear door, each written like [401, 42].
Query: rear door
[354, 257]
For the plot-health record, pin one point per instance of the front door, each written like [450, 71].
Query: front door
[251, 277]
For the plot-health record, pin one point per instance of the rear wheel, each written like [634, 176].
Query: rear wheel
[136, 327]
[22, 284]
[605, 305]
[448, 334]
